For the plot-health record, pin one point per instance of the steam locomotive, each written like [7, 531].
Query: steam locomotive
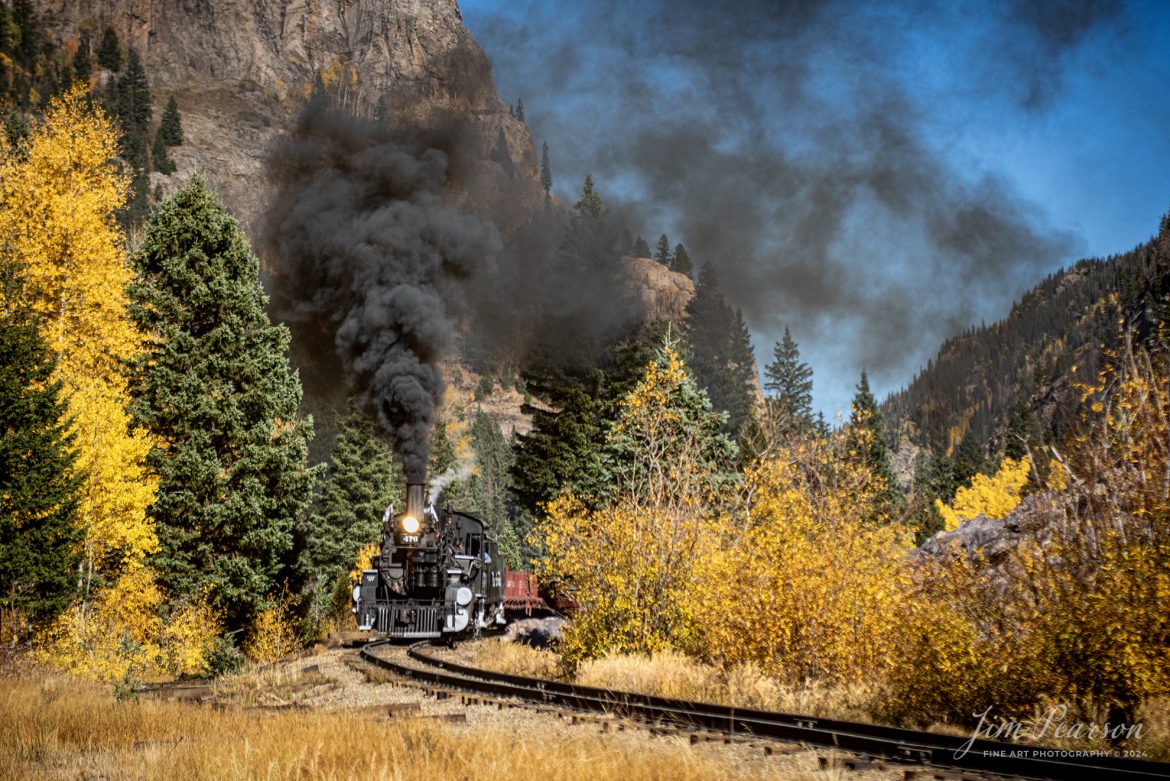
[439, 575]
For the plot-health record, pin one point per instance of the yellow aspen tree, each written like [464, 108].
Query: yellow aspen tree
[59, 195]
[993, 497]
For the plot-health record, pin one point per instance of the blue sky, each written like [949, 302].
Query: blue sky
[875, 176]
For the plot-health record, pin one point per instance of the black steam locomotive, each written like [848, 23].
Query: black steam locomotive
[439, 575]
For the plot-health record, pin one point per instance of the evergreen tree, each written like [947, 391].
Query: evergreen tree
[361, 481]
[158, 155]
[563, 448]
[641, 248]
[590, 247]
[866, 440]
[662, 251]
[109, 54]
[83, 60]
[520, 109]
[719, 351]
[933, 479]
[546, 180]
[791, 380]
[39, 487]
[969, 459]
[491, 484]
[171, 127]
[214, 387]
[132, 96]
[682, 261]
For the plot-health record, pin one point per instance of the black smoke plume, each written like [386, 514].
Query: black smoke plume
[368, 249]
[786, 142]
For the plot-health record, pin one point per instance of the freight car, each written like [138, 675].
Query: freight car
[439, 575]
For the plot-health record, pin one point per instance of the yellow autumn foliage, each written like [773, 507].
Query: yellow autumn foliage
[633, 565]
[59, 195]
[1076, 616]
[272, 635]
[993, 497]
[807, 589]
[121, 634]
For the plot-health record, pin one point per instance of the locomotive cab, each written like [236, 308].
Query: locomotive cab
[438, 575]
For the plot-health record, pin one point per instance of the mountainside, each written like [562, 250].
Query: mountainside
[993, 382]
[240, 70]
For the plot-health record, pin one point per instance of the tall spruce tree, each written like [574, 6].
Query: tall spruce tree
[790, 379]
[866, 441]
[109, 54]
[520, 109]
[720, 352]
[662, 251]
[215, 388]
[546, 180]
[491, 483]
[158, 155]
[39, 534]
[361, 480]
[682, 261]
[83, 60]
[641, 248]
[171, 125]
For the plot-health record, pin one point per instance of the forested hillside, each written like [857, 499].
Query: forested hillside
[1014, 382]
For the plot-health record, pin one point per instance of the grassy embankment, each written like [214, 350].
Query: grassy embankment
[675, 675]
[52, 727]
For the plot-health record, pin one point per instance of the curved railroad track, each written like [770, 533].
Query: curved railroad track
[889, 743]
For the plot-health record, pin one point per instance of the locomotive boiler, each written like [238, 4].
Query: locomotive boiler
[439, 575]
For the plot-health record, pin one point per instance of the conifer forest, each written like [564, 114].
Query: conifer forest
[260, 274]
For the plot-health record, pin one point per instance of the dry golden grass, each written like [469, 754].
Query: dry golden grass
[675, 675]
[1155, 717]
[57, 728]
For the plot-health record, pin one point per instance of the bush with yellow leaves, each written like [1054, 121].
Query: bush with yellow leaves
[1075, 614]
[992, 497]
[803, 585]
[633, 566]
[121, 634]
[272, 635]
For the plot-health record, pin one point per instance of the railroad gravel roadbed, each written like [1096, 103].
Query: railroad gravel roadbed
[354, 685]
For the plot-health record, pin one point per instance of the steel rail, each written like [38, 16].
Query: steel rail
[891, 743]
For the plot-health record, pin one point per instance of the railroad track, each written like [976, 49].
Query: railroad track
[945, 752]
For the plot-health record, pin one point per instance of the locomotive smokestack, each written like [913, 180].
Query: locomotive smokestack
[415, 495]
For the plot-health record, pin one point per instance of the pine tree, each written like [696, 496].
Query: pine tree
[641, 248]
[132, 105]
[39, 487]
[866, 441]
[662, 251]
[109, 54]
[520, 109]
[719, 351]
[491, 483]
[546, 180]
[791, 380]
[563, 448]
[171, 126]
[682, 261]
[83, 60]
[215, 390]
[361, 481]
[158, 155]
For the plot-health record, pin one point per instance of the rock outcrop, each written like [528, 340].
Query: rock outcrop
[664, 293]
[240, 69]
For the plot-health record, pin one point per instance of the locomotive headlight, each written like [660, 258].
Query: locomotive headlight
[410, 524]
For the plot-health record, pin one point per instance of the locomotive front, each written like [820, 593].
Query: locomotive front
[438, 575]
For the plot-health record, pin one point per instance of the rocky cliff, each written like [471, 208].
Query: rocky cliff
[239, 69]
